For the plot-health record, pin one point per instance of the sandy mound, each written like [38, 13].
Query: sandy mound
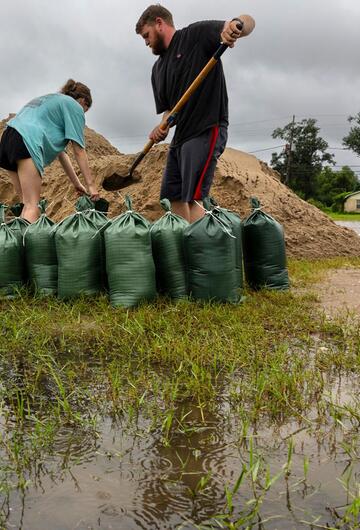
[309, 233]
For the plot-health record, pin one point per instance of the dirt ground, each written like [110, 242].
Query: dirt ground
[339, 293]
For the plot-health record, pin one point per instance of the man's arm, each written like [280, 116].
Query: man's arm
[160, 132]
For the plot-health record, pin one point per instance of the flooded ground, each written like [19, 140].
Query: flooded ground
[353, 225]
[123, 477]
[223, 462]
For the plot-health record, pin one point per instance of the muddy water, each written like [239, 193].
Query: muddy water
[126, 478]
[354, 225]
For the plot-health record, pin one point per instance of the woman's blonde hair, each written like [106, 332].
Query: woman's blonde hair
[77, 90]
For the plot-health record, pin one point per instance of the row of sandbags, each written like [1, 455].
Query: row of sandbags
[133, 259]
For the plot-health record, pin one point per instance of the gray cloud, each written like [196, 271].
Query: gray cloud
[302, 59]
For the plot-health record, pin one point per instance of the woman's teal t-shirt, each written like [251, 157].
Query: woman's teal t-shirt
[47, 123]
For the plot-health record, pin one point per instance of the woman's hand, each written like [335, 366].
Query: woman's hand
[93, 192]
[81, 190]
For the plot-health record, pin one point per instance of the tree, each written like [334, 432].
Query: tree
[330, 184]
[300, 166]
[352, 140]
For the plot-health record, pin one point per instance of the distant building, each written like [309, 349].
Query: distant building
[352, 202]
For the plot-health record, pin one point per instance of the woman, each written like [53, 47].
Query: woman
[38, 134]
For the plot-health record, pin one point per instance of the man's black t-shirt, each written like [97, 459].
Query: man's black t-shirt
[174, 71]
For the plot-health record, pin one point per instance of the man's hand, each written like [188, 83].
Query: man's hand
[159, 134]
[230, 33]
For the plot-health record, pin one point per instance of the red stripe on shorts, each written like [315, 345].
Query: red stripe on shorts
[214, 135]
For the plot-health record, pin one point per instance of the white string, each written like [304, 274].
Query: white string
[23, 239]
[201, 206]
[56, 226]
[101, 228]
[223, 226]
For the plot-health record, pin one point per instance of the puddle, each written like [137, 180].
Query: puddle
[127, 478]
[354, 225]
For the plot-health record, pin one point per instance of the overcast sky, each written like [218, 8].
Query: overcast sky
[303, 58]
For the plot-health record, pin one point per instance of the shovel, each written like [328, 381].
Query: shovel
[116, 182]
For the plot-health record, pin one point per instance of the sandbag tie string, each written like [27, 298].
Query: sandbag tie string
[23, 239]
[223, 226]
[101, 228]
[56, 226]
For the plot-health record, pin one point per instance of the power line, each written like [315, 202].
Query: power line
[266, 149]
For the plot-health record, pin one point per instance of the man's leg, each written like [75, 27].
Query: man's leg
[171, 185]
[194, 156]
[196, 211]
[30, 183]
[14, 177]
[216, 142]
[182, 209]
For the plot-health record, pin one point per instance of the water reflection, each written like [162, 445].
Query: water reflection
[127, 478]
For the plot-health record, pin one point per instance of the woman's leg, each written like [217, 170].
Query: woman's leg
[16, 183]
[30, 183]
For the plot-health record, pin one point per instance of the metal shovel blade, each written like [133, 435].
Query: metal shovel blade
[117, 182]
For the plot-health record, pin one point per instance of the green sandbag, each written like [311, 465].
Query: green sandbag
[78, 250]
[233, 219]
[210, 259]
[18, 223]
[96, 211]
[167, 238]
[11, 258]
[264, 250]
[40, 253]
[129, 262]
[19, 226]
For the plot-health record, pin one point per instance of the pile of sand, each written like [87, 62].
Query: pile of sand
[309, 233]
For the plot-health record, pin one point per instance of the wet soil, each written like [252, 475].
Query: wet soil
[339, 293]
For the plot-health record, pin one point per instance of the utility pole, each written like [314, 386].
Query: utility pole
[288, 169]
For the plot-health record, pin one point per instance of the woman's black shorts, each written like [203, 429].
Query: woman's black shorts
[12, 149]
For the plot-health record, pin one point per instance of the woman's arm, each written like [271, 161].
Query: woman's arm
[69, 170]
[82, 160]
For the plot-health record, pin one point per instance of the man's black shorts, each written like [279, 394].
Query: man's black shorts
[189, 162]
[12, 149]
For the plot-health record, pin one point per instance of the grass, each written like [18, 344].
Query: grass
[343, 216]
[68, 365]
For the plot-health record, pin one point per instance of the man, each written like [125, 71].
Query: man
[201, 126]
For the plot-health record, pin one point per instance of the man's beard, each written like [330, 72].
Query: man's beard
[158, 48]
